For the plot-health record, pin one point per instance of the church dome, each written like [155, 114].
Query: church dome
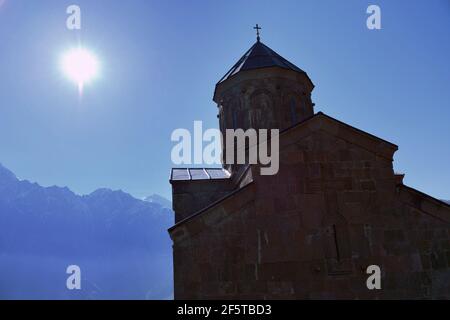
[260, 56]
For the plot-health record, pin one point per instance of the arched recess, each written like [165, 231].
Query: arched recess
[293, 109]
[262, 115]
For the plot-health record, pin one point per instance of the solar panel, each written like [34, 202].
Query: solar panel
[218, 173]
[180, 174]
[198, 174]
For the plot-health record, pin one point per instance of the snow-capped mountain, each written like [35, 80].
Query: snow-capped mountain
[154, 198]
[120, 243]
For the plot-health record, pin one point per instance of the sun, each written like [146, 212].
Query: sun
[80, 65]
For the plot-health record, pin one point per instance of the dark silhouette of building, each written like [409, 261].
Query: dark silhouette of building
[334, 208]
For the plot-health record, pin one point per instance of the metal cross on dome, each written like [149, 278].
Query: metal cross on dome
[257, 28]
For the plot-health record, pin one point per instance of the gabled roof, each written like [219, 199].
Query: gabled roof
[321, 121]
[260, 56]
[424, 202]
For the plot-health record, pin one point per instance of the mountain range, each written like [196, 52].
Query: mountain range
[119, 242]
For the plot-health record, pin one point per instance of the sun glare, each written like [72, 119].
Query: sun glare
[80, 66]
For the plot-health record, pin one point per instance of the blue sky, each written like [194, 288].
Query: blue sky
[161, 59]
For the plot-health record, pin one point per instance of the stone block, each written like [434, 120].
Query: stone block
[367, 185]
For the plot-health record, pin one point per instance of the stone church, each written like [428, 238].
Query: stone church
[335, 207]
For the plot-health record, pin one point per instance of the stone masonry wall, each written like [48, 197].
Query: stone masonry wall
[310, 231]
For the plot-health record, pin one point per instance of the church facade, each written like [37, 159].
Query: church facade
[311, 231]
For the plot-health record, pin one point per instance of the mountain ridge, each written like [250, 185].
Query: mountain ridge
[121, 242]
[6, 174]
